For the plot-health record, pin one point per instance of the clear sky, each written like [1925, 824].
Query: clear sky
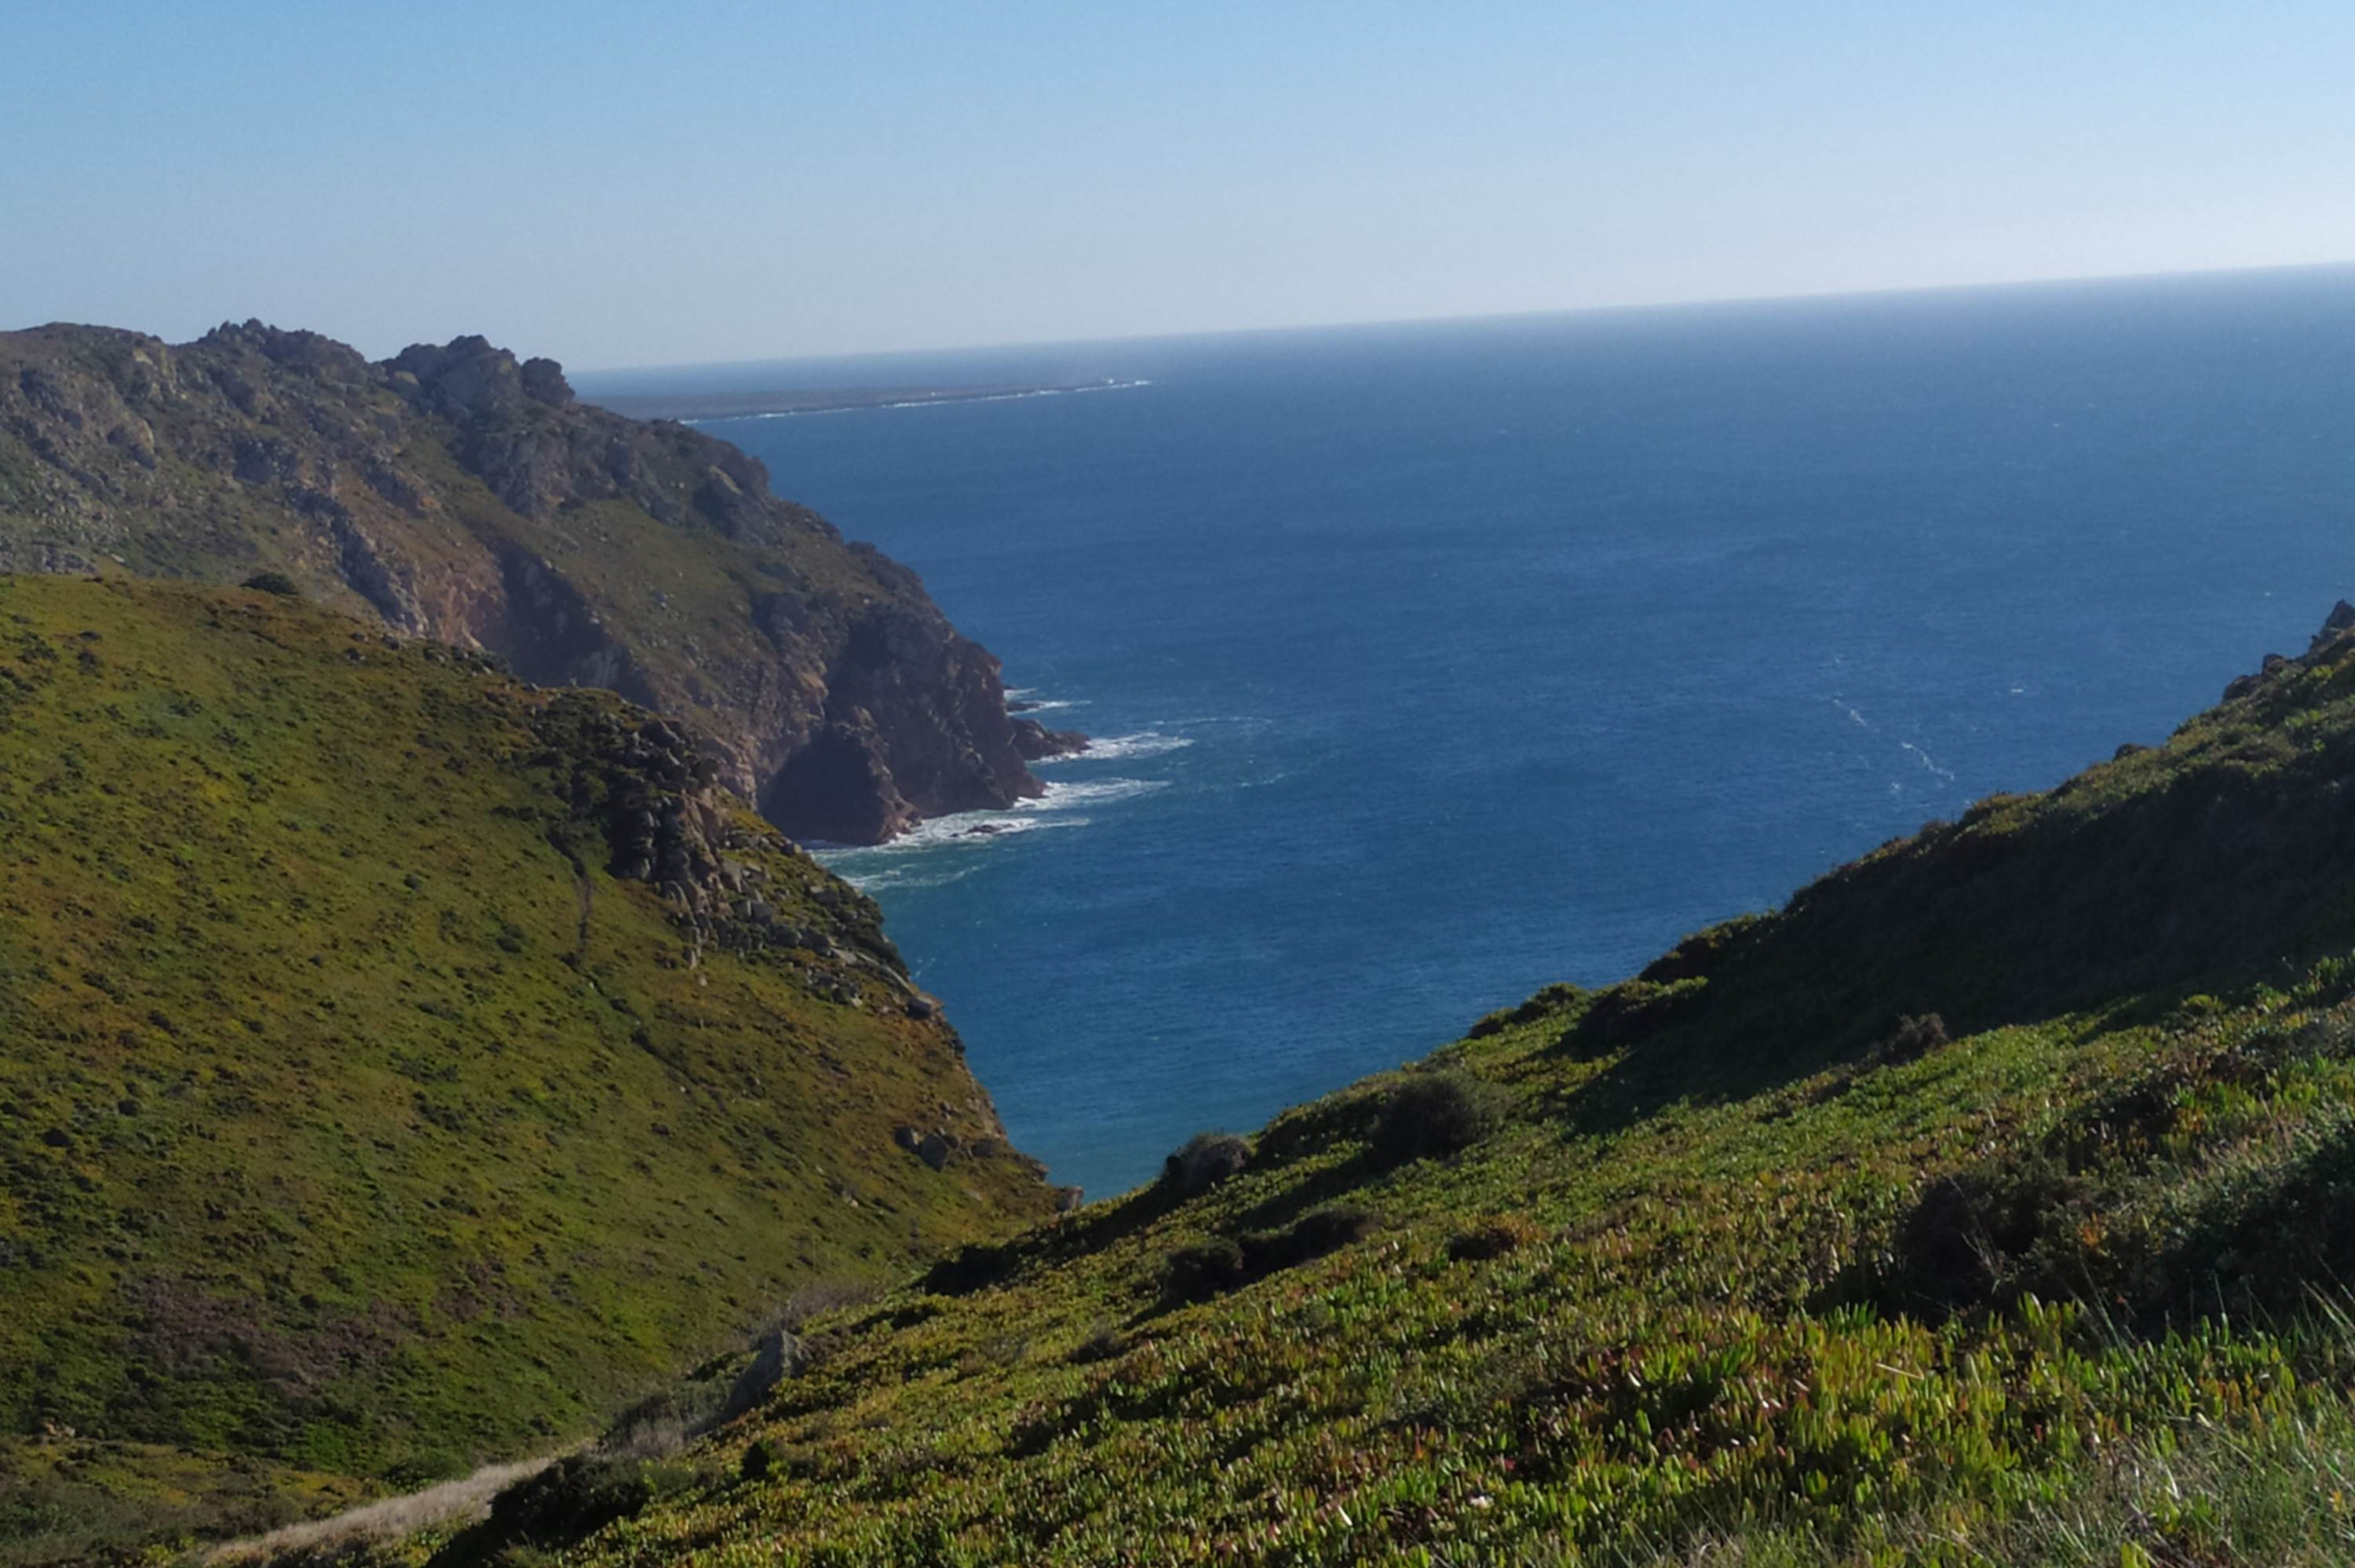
[668, 181]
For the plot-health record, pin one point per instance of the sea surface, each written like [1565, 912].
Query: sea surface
[1432, 663]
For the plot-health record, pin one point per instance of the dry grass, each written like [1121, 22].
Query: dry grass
[460, 1501]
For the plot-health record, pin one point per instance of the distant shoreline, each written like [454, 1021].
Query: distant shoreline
[692, 407]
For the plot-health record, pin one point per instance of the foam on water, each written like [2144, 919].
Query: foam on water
[1063, 795]
[944, 850]
[1120, 748]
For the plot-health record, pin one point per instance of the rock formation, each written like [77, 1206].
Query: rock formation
[457, 492]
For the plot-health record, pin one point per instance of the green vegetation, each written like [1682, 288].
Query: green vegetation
[456, 494]
[1993, 1203]
[362, 1116]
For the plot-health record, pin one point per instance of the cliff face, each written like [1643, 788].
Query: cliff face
[458, 493]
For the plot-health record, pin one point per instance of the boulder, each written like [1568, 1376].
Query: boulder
[780, 1355]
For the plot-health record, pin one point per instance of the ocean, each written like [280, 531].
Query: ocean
[1432, 663]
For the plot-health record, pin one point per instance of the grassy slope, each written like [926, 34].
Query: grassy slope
[735, 618]
[1742, 1269]
[326, 1137]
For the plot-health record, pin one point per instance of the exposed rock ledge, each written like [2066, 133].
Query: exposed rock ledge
[456, 492]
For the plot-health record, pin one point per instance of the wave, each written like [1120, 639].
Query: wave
[1063, 795]
[1119, 747]
[1923, 758]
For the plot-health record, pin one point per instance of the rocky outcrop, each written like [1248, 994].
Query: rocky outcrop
[2336, 624]
[457, 492]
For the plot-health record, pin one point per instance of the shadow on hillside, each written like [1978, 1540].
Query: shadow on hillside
[2113, 893]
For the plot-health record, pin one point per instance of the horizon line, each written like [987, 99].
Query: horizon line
[1546, 313]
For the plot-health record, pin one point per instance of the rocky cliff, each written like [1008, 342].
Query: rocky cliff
[459, 493]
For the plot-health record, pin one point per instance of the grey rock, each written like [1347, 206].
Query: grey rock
[2341, 619]
[779, 1357]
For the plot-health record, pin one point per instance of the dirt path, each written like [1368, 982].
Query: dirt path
[467, 1499]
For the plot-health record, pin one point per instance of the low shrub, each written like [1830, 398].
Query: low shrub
[278, 583]
[1204, 1269]
[1103, 1344]
[1491, 1238]
[1633, 1009]
[1981, 1236]
[1203, 1161]
[1911, 1039]
[1552, 999]
[1431, 1114]
[1312, 1235]
[570, 1500]
[1221, 1263]
[972, 1267]
[418, 1471]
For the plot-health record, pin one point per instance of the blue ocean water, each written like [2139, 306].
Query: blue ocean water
[1438, 663]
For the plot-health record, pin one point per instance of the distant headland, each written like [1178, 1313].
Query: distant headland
[691, 407]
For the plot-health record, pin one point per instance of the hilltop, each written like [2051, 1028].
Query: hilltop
[402, 1066]
[457, 492]
[1989, 1202]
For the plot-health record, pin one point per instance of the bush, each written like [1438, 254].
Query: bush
[420, 1470]
[1550, 1001]
[278, 583]
[1633, 1009]
[1312, 1235]
[1491, 1238]
[1221, 1263]
[1981, 1237]
[570, 1500]
[1205, 1269]
[1431, 1114]
[1204, 1160]
[976, 1266]
[1913, 1037]
[1104, 1343]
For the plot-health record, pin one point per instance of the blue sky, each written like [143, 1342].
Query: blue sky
[664, 183]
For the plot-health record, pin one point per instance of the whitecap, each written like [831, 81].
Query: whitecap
[1119, 747]
[1062, 796]
[1923, 758]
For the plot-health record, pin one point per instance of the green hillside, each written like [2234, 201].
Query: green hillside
[1992, 1202]
[460, 494]
[402, 1066]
